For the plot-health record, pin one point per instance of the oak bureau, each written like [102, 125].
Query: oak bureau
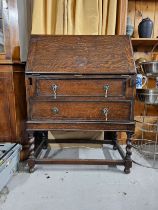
[80, 83]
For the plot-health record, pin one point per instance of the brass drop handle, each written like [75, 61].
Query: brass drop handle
[105, 112]
[55, 87]
[55, 110]
[106, 88]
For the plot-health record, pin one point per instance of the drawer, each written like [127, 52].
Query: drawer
[106, 111]
[81, 87]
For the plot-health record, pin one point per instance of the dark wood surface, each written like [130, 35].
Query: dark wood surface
[93, 87]
[84, 86]
[12, 103]
[82, 54]
[20, 101]
[79, 126]
[12, 80]
[80, 68]
[80, 110]
[6, 90]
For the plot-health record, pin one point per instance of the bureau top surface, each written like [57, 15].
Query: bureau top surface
[80, 54]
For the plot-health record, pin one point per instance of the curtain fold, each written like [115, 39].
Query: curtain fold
[112, 10]
[79, 17]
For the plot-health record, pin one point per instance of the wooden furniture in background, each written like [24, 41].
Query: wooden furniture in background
[143, 8]
[143, 46]
[80, 83]
[12, 82]
[136, 9]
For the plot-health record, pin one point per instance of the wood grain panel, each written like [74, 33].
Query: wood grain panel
[95, 126]
[81, 110]
[5, 123]
[12, 103]
[131, 10]
[20, 101]
[138, 16]
[81, 87]
[5, 127]
[83, 54]
[156, 20]
[14, 30]
[138, 9]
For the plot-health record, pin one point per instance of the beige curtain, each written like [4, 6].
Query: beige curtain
[79, 17]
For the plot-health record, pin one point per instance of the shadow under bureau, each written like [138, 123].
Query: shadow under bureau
[80, 83]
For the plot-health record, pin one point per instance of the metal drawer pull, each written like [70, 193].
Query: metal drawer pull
[55, 110]
[106, 88]
[105, 112]
[55, 87]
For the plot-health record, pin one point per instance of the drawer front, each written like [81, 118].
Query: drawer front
[81, 87]
[106, 111]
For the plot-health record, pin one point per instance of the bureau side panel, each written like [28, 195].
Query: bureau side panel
[6, 88]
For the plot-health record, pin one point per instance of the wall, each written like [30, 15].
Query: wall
[25, 21]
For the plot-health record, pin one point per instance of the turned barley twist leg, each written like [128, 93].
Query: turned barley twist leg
[31, 160]
[45, 138]
[115, 141]
[128, 160]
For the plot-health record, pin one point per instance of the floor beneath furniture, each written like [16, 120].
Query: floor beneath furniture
[64, 187]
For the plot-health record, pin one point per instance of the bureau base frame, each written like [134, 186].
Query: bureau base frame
[34, 151]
